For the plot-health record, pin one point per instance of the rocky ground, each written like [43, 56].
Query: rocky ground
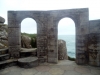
[64, 67]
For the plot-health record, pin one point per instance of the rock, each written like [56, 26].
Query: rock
[2, 20]
[62, 50]
[3, 36]
[25, 41]
[4, 42]
[2, 46]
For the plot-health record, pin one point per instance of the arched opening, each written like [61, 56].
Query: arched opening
[66, 32]
[28, 25]
[28, 33]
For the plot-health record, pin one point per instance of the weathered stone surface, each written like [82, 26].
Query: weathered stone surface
[93, 44]
[3, 36]
[24, 52]
[25, 41]
[2, 20]
[3, 51]
[12, 41]
[62, 50]
[14, 32]
[14, 51]
[42, 68]
[28, 62]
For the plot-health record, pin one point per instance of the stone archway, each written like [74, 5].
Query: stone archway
[47, 30]
[66, 32]
[81, 18]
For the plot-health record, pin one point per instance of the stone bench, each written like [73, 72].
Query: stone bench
[28, 62]
[25, 52]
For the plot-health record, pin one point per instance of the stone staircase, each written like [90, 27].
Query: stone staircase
[4, 55]
[5, 59]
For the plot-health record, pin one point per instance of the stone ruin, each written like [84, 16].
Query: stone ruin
[87, 34]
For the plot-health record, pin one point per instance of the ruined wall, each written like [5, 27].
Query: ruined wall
[14, 34]
[81, 19]
[47, 32]
[94, 42]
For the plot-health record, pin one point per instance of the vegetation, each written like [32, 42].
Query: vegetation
[70, 58]
[33, 39]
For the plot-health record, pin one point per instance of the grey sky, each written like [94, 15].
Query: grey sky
[93, 5]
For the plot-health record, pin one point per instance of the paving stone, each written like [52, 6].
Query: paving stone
[13, 73]
[95, 71]
[71, 73]
[65, 62]
[43, 73]
[29, 72]
[56, 71]
[54, 66]
[42, 68]
[4, 71]
[16, 68]
[82, 70]
[53, 69]
[88, 74]
[67, 67]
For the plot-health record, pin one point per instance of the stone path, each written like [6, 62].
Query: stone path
[64, 67]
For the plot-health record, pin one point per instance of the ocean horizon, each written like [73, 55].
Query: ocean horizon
[70, 44]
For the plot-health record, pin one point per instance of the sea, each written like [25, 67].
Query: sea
[70, 44]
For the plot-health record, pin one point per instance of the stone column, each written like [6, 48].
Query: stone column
[14, 35]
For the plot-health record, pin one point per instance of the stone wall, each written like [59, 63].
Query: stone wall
[94, 43]
[47, 32]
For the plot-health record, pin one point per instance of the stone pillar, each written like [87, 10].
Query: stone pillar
[52, 45]
[14, 35]
[82, 31]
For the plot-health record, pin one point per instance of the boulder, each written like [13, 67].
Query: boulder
[62, 50]
[25, 41]
[2, 20]
[3, 36]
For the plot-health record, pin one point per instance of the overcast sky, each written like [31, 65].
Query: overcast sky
[68, 25]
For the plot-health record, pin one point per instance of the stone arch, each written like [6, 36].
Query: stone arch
[47, 30]
[28, 25]
[66, 32]
[67, 18]
[81, 18]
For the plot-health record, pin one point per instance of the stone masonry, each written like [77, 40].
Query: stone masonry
[47, 33]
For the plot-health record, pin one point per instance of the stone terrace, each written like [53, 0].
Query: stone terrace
[64, 67]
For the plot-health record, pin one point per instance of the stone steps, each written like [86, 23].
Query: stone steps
[4, 57]
[7, 63]
[28, 62]
[3, 51]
